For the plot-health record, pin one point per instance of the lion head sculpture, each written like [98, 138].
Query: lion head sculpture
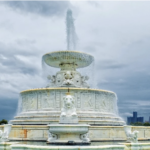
[68, 107]
[69, 101]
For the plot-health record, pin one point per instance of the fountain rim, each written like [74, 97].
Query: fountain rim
[64, 88]
[68, 51]
[77, 63]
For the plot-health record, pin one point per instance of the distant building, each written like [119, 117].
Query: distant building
[140, 119]
[135, 119]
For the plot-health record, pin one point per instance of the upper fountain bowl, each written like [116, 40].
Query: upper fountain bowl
[56, 59]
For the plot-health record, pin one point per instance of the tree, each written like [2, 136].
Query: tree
[140, 124]
[3, 121]
[137, 124]
[146, 124]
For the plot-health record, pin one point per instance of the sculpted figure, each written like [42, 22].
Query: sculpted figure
[83, 80]
[68, 75]
[85, 137]
[52, 79]
[132, 137]
[4, 134]
[52, 137]
[68, 82]
[69, 107]
[68, 111]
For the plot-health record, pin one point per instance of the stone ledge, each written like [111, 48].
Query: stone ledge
[109, 147]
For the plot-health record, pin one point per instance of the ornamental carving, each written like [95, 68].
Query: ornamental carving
[50, 99]
[67, 79]
[32, 102]
[24, 103]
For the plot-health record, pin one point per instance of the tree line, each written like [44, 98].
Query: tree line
[140, 124]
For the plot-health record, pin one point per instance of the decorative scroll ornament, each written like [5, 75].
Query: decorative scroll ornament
[132, 137]
[52, 80]
[52, 137]
[68, 79]
[85, 137]
[83, 81]
[5, 134]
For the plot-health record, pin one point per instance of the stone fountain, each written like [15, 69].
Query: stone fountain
[43, 105]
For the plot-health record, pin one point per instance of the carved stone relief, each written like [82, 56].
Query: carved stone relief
[77, 80]
[32, 101]
[83, 81]
[62, 96]
[78, 100]
[46, 102]
[104, 106]
[57, 99]
[59, 80]
[97, 102]
[39, 101]
[52, 80]
[24, 103]
[68, 78]
[50, 99]
[87, 101]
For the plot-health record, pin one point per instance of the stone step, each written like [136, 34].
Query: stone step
[57, 118]
[91, 122]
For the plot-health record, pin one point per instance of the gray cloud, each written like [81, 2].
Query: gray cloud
[11, 61]
[110, 64]
[45, 8]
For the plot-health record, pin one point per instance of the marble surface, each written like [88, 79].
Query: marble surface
[96, 133]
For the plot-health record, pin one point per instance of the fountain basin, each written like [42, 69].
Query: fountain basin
[43, 106]
[77, 59]
[72, 133]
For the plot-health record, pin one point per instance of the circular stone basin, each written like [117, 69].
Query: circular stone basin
[69, 128]
[55, 59]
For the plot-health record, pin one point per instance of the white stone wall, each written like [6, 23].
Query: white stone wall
[96, 133]
[85, 99]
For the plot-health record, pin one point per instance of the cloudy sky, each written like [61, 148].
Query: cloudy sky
[117, 34]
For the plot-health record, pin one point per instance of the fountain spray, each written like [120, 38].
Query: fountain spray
[70, 30]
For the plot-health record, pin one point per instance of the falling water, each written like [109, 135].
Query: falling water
[70, 30]
[19, 104]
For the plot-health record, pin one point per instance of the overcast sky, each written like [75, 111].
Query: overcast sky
[117, 34]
